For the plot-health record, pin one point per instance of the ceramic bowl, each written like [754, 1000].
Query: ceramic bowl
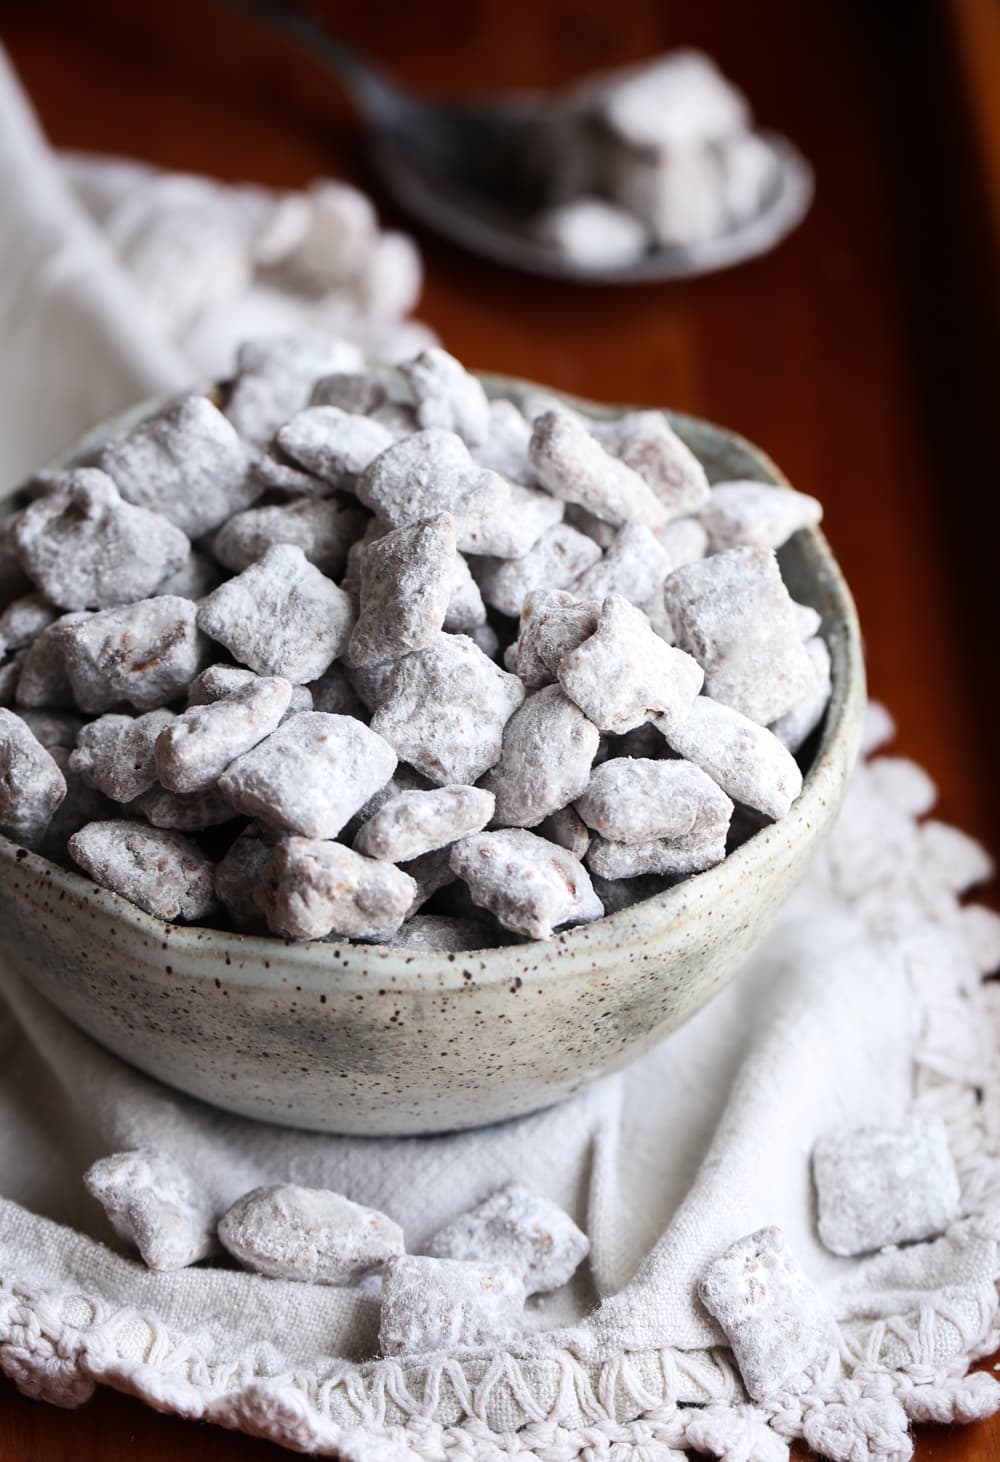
[356, 1038]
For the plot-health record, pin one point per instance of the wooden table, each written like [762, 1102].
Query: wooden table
[859, 354]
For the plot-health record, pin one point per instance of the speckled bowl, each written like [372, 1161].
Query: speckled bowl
[356, 1038]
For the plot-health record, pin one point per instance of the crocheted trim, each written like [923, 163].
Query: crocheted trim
[642, 1406]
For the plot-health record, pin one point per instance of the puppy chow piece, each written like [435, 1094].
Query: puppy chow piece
[747, 761]
[568, 829]
[633, 800]
[446, 709]
[558, 558]
[82, 804]
[952, 858]
[354, 391]
[291, 365]
[310, 775]
[487, 639]
[406, 586]
[276, 474]
[625, 673]
[161, 872]
[187, 463]
[154, 1203]
[145, 653]
[545, 760]
[430, 872]
[23, 620]
[311, 1234]
[216, 682]
[333, 444]
[432, 472]
[798, 724]
[240, 873]
[440, 1304]
[440, 934]
[756, 514]
[592, 233]
[809, 621]
[315, 888]
[677, 101]
[195, 748]
[602, 533]
[680, 857]
[530, 885]
[617, 894]
[198, 577]
[505, 449]
[516, 1226]
[281, 616]
[86, 548]
[42, 681]
[732, 612]
[10, 672]
[683, 540]
[553, 622]
[31, 784]
[678, 193]
[53, 728]
[517, 522]
[777, 1323]
[400, 420]
[188, 812]
[372, 683]
[901, 783]
[324, 528]
[447, 396]
[573, 465]
[885, 1185]
[388, 288]
[414, 823]
[646, 442]
[115, 754]
[334, 694]
[466, 611]
[634, 565]
[13, 581]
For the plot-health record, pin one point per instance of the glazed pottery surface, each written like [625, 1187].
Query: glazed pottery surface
[359, 1038]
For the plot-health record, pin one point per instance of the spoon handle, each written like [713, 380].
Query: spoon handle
[376, 97]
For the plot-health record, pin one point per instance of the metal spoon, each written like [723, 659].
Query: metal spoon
[477, 172]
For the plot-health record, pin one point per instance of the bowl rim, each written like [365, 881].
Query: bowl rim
[256, 960]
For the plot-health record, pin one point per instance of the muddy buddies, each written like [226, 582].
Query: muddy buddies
[382, 659]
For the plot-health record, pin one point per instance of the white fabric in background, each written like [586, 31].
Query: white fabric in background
[851, 1013]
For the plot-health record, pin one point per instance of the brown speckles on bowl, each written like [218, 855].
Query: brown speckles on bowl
[304, 1034]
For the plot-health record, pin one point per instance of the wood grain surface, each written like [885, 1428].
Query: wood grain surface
[860, 354]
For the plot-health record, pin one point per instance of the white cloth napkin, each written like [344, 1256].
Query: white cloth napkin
[866, 1002]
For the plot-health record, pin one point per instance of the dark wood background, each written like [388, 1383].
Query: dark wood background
[860, 354]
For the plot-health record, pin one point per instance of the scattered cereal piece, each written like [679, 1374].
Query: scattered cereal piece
[406, 586]
[797, 725]
[162, 872]
[241, 872]
[777, 1323]
[414, 823]
[324, 528]
[557, 559]
[115, 753]
[281, 616]
[531, 886]
[625, 673]
[187, 463]
[878, 729]
[447, 396]
[154, 1203]
[87, 548]
[31, 784]
[592, 233]
[980, 928]
[632, 800]
[315, 888]
[431, 472]
[747, 761]
[958, 861]
[505, 449]
[333, 444]
[553, 623]
[439, 1304]
[646, 442]
[196, 747]
[311, 1234]
[547, 753]
[516, 1226]
[756, 514]
[145, 653]
[23, 620]
[884, 1185]
[573, 465]
[340, 231]
[733, 613]
[310, 775]
[446, 708]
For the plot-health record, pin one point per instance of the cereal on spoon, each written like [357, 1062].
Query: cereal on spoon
[477, 670]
